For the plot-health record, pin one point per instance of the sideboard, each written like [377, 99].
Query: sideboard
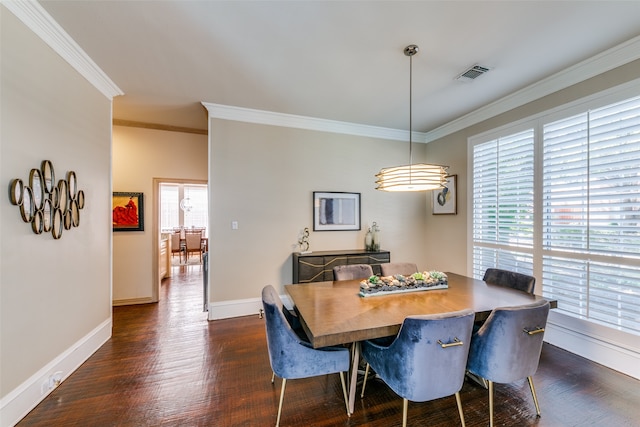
[318, 266]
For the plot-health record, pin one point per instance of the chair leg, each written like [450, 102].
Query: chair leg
[490, 403]
[405, 407]
[459, 402]
[533, 393]
[344, 392]
[364, 382]
[284, 382]
[273, 377]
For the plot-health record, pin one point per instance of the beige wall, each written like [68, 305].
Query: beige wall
[53, 293]
[264, 176]
[139, 156]
[452, 150]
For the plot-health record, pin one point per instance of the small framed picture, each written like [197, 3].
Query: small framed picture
[336, 211]
[128, 211]
[445, 199]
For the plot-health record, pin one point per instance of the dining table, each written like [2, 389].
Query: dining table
[335, 313]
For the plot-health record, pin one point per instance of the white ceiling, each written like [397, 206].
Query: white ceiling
[336, 60]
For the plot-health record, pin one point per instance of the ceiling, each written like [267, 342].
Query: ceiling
[336, 60]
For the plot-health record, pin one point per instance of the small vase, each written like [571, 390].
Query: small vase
[368, 240]
[375, 238]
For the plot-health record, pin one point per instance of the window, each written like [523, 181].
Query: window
[581, 232]
[591, 214]
[173, 216]
[503, 204]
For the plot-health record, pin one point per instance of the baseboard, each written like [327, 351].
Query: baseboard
[17, 403]
[240, 307]
[234, 308]
[132, 301]
[593, 347]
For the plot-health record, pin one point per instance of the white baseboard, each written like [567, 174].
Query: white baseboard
[17, 403]
[234, 308]
[615, 355]
[240, 307]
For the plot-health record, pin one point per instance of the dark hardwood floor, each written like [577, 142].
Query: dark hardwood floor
[166, 365]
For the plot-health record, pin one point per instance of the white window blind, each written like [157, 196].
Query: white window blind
[169, 206]
[503, 184]
[198, 215]
[171, 216]
[591, 214]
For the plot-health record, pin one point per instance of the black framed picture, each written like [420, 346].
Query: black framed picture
[128, 211]
[336, 211]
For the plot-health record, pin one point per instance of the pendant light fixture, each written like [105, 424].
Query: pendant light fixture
[411, 177]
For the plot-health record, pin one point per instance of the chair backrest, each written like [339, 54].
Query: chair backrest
[175, 241]
[394, 268]
[418, 367]
[502, 350]
[351, 272]
[510, 279]
[193, 240]
[280, 336]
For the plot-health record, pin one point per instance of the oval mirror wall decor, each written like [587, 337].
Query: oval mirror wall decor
[16, 191]
[46, 215]
[37, 187]
[47, 205]
[48, 176]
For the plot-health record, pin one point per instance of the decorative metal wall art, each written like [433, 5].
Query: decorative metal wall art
[46, 205]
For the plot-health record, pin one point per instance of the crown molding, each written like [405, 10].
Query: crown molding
[44, 26]
[228, 112]
[601, 63]
[608, 60]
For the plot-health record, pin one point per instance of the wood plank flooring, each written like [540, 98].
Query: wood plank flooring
[166, 365]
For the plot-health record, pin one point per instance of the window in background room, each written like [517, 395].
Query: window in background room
[183, 205]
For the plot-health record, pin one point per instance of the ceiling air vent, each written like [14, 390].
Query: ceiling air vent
[472, 73]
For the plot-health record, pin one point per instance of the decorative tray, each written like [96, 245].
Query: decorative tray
[386, 285]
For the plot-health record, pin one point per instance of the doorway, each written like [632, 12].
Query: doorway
[181, 215]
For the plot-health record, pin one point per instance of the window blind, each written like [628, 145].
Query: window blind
[503, 184]
[591, 214]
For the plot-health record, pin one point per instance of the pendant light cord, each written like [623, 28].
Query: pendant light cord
[410, 111]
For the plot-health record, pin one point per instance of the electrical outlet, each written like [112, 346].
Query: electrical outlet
[51, 382]
[55, 379]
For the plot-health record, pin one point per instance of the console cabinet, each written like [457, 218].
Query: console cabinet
[318, 266]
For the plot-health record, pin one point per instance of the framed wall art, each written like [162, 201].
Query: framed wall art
[336, 211]
[128, 211]
[445, 199]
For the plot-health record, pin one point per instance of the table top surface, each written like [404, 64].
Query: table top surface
[334, 313]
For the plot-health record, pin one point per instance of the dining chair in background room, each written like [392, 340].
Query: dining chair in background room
[510, 279]
[394, 268]
[352, 272]
[507, 347]
[193, 242]
[176, 245]
[427, 359]
[292, 358]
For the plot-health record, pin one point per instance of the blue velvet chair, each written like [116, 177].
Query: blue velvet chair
[427, 359]
[510, 279]
[351, 272]
[394, 268]
[293, 358]
[507, 347]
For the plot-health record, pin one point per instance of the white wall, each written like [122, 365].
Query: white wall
[263, 177]
[139, 156]
[55, 295]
